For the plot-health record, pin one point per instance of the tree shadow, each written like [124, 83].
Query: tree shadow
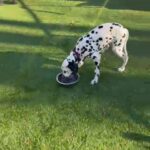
[118, 4]
[125, 95]
[35, 18]
[56, 40]
[35, 74]
[22, 39]
[90, 2]
[129, 5]
[137, 45]
[138, 138]
[10, 2]
[26, 70]
[50, 26]
[45, 11]
[139, 41]
[59, 41]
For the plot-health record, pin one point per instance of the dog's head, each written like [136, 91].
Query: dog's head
[69, 66]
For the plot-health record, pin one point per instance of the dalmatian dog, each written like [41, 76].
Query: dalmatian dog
[93, 44]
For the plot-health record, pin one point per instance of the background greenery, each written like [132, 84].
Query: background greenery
[37, 113]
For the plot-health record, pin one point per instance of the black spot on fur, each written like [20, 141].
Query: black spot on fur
[100, 39]
[124, 36]
[98, 75]
[111, 27]
[96, 32]
[92, 47]
[96, 63]
[110, 38]
[88, 35]
[115, 42]
[116, 24]
[87, 41]
[86, 45]
[90, 44]
[100, 27]
[73, 66]
[92, 31]
[119, 44]
[97, 44]
[90, 50]
[99, 48]
[90, 54]
[83, 50]
[94, 57]
[81, 39]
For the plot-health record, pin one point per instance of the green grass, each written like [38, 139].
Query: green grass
[38, 114]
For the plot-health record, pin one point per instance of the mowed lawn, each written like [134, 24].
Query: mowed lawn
[38, 114]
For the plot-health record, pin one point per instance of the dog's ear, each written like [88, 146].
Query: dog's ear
[73, 66]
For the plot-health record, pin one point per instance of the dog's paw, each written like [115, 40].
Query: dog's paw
[121, 69]
[93, 82]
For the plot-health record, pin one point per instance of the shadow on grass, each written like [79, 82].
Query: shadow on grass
[90, 2]
[45, 11]
[138, 138]
[26, 70]
[137, 46]
[118, 4]
[35, 74]
[130, 5]
[49, 26]
[60, 41]
[34, 78]
[35, 18]
[10, 2]
[127, 96]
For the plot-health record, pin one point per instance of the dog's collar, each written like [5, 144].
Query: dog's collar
[76, 55]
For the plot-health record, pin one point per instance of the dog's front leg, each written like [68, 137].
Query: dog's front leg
[96, 58]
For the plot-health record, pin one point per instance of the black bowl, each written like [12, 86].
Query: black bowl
[72, 79]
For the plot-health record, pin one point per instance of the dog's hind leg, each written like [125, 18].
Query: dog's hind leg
[121, 51]
[125, 57]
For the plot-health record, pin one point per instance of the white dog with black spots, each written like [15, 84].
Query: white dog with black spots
[93, 44]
